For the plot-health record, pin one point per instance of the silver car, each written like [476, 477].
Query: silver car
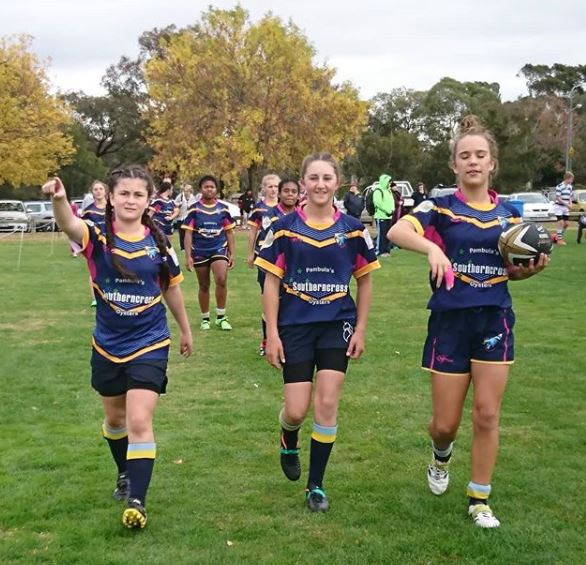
[13, 216]
[41, 215]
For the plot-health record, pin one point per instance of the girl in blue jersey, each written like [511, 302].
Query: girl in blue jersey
[470, 338]
[132, 270]
[164, 209]
[96, 212]
[313, 324]
[209, 246]
[288, 195]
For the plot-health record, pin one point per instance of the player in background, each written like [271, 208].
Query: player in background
[313, 324]
[470, 330]
[209, 246]
[164, 209]
[95, 212]
[561, 207]
[258, 222]
[288, 194]
[132, 270]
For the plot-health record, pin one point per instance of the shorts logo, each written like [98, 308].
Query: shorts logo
[491, 342]
[443, 359]
[347, 331]
[341, 239]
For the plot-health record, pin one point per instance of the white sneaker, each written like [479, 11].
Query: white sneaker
[483, 516]
[438, 477]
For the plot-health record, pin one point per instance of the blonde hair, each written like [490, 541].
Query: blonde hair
[267, 178]
[471, 125]
[321, 156]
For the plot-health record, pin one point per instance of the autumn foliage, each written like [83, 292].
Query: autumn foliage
[33, 142]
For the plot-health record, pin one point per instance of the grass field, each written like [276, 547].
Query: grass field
[218, 495]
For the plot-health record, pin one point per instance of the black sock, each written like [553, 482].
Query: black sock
[473, 501]
[322, 442]
[264, 329]
[140, 463]
[290, 438]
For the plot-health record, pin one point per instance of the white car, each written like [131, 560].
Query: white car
[13, 216]
[536, 206]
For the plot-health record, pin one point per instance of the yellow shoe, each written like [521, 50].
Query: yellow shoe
[134, 515]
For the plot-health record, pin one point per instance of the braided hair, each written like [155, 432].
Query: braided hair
[136, 172]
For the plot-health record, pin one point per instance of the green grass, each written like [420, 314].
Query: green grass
[218, 495]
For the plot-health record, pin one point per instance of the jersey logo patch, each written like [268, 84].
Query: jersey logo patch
[151, 252]
[341, 239]
[269, 239]
[266, 222]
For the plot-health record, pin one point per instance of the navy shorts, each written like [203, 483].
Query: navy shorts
[457, 337]
[565, 217]
[200, 260]
[114, 379]
[321, 346]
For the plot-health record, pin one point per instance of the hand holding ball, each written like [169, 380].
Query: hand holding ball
[523, 242]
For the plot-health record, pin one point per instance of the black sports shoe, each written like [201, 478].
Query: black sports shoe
[122, 489]
[290, 463]
[134, 515]
[316, 500]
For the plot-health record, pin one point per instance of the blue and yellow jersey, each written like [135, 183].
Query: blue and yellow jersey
[95, 214]
[315, 264]
[209, 224]
[131, 319]
[468, 234]
[258, 219]
[269, 218]
[161, 208]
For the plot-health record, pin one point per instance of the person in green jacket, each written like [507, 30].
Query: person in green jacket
[384, 206]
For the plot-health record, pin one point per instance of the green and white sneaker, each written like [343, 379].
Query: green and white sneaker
[482, 516]
[223, 324]
[205, 325]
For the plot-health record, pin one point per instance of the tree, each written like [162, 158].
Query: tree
[33, 140]
[554, 80]
[228, 95]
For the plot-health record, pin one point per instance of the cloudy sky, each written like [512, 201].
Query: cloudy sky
[377, 44]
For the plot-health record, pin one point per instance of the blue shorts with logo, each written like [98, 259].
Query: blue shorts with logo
[201, 259]
[457, 337]
[321, 346]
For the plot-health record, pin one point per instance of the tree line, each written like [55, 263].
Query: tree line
[240, 98]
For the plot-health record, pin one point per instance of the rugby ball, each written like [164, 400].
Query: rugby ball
[523, 242]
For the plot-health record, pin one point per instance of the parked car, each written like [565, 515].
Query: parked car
[41, 214]
[13, 216]
[437, 191]
[536, 206]
[504, 197]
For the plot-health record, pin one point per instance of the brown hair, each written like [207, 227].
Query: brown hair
[321, 156]
[471, 125]
[96, 182]
[136, 172]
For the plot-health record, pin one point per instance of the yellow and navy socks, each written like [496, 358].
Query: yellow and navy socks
[117, 439]
[322, 441]
[140, 462]
[477, 493]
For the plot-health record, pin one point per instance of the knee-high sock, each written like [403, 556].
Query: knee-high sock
[140, 463]
[322, 441]
[117, 439]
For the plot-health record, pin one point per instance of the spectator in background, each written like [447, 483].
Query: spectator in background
[419, 195]
[245, 203]
[561, 207]
[354, 202]
[384, 207]
[581, 226]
